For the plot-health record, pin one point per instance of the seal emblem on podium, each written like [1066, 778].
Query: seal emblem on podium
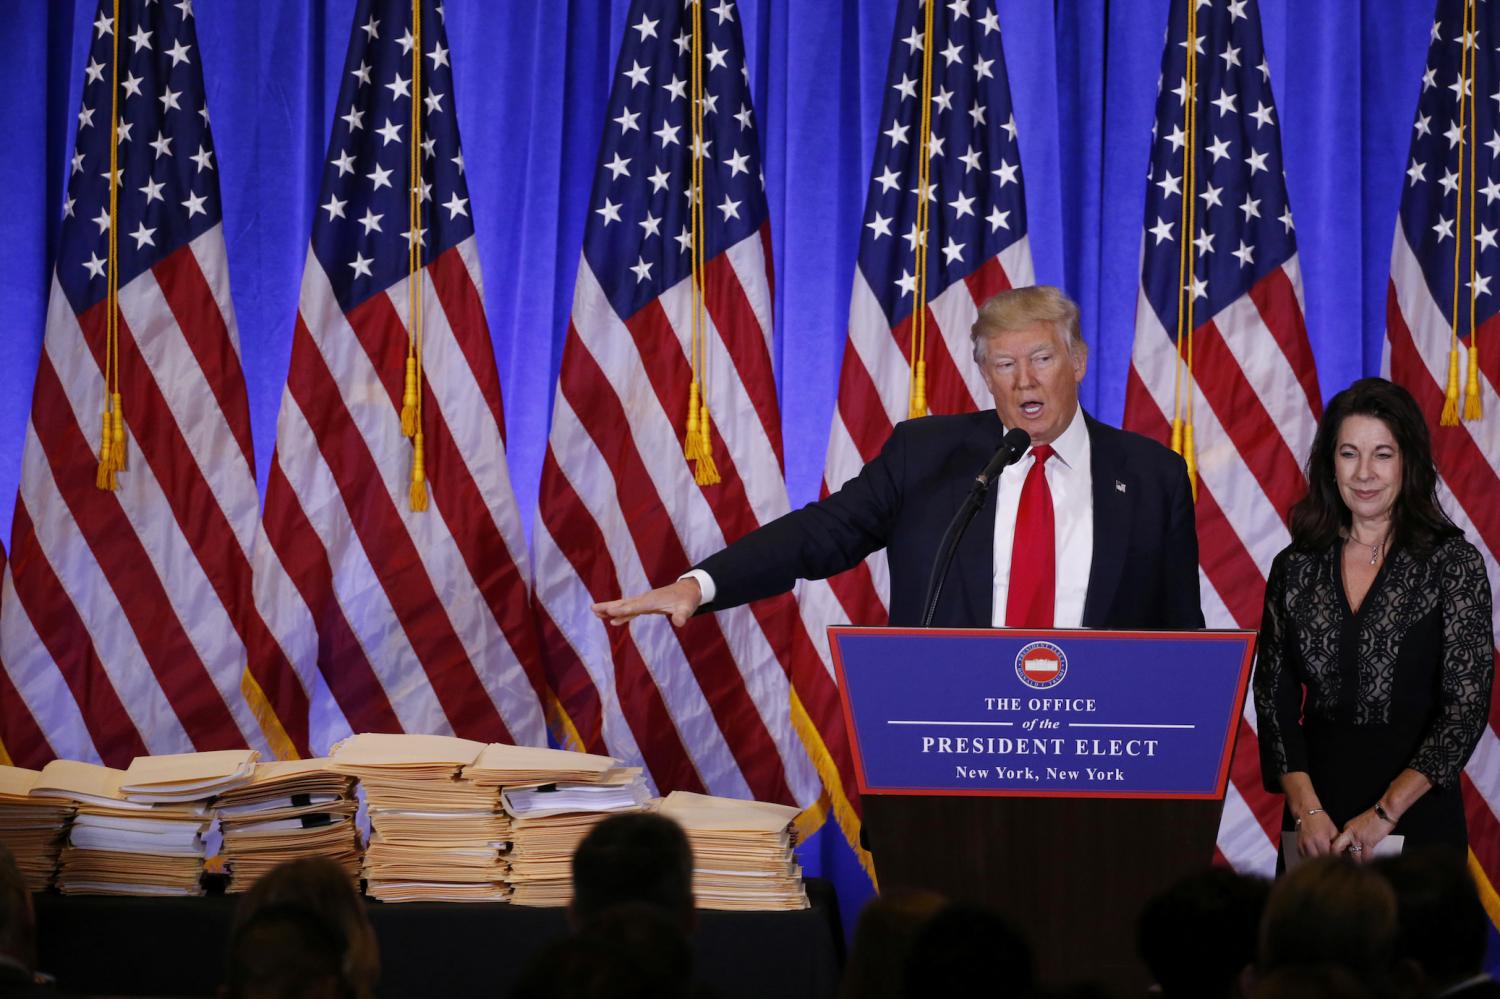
[1041, 665]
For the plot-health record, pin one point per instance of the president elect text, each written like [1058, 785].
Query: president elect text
[1000, 745]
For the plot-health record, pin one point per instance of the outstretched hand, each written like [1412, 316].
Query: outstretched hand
[677, 601]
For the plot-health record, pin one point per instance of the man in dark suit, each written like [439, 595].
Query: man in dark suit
[1093, 527]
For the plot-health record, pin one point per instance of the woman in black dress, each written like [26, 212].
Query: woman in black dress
[1380, 611]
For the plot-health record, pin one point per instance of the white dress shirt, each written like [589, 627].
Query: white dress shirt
[1070, 479]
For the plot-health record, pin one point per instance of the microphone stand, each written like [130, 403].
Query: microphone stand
[1012, 447]
[949, 548]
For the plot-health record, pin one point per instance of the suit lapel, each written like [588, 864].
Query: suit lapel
[1113, 497]
[974, 563]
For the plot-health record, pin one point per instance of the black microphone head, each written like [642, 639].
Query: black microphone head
[1012, 446]
[1015, 442]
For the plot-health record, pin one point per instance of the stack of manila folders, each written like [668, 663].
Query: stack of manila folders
[33, 827]
[451, 820]
[140, 831]
[549, 820]
[438, 828]
[288, 811]
[742, 851]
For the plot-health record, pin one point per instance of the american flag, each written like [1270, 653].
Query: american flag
[1219, 259]
[1443, 225]
[127, 614]
[396, 619]
[976, 230]
[704, 708]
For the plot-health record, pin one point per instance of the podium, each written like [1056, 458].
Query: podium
[1060, 777]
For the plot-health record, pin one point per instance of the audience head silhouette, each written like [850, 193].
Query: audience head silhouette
[1331, 911]
[969, 950]
[1311, 981]
[1442, 927]
[631, 950]
[1199, 935]
[322, 887]
[17, 922]
[634, 857]
[883, 938]
[286, 951]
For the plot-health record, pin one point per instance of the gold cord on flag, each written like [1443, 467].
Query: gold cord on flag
[1182, 404]
[698, 445]
[111, 421]
[411, 395]
[1449, 416]
[916, 402]
[1473, 408]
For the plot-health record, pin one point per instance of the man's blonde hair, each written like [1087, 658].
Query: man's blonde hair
[1023, 308]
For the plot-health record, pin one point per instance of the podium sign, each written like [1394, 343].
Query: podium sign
[1044, 714]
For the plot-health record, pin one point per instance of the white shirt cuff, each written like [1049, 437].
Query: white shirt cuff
[705, 583]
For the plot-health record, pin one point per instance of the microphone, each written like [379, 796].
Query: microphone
[1012, 446]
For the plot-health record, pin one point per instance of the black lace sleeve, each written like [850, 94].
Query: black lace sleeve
[1468, 664]
[1278, 692]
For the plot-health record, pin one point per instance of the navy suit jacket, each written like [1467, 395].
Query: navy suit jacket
[1145, 562]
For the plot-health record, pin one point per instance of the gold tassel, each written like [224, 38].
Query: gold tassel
[1177, 434]
[1450, 398]
[918, 405]
[1473, 405]
[117, 433]
[692, 443]
[706, 473]
[409, 399]
[1190, 455]
[418, 476]
[105, 477]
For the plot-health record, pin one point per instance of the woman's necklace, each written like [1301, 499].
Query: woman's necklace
[1375, 550]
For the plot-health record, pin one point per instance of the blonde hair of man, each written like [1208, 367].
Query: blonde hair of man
[1023, 308]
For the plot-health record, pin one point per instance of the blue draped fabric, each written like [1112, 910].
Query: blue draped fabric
[532, 79]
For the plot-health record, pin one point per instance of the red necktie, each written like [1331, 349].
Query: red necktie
[1033, 561]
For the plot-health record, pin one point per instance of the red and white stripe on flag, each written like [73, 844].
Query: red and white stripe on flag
[394, 620]
[1250, 394]
[127, 614]
[704, 707]
[978, 219]
[1447, 209]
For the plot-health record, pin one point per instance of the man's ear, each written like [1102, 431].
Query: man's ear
[1080, 358]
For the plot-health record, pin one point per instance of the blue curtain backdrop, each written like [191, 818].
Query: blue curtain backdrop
[532, 79]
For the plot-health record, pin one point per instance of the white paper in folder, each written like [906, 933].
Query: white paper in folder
[1388, 847]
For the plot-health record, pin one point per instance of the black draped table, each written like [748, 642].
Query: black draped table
[176, 946]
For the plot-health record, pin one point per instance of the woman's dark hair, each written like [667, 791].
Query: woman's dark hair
[1418, 522]
[323, 888]
[1330, 911]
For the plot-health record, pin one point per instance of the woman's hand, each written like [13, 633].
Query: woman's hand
[1316, 835]
[1362, 833]
[1360, 836]
[1315, 830]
